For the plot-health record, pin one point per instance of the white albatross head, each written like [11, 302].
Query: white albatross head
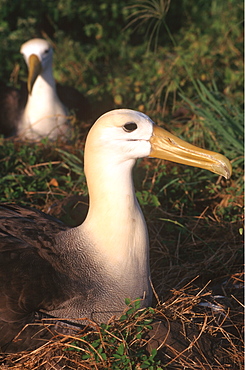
[124, 134]
[38, 55]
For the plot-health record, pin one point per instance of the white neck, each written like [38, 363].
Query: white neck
[116, 224]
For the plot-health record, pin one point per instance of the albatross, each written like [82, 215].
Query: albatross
[36, 112]
[44, 114]
[88, 271]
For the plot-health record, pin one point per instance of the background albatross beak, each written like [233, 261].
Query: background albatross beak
[165, 145]
[35, 68]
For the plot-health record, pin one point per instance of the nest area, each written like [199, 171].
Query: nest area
[193, 329]
[199, 324]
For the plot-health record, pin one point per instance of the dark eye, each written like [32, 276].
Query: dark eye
[130, 126]
[46, 51]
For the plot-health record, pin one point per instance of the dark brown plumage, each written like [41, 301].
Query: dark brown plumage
[12, 104]
[26, 253]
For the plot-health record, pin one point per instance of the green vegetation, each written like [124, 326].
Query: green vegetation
[181, 63]
[122, 345]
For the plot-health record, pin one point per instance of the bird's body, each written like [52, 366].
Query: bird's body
[33, 124]
[38, 112]
[88, 271]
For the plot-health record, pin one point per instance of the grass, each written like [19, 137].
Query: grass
[222, 119]
[151, 12]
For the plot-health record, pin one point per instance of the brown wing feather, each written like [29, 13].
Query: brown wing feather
[12, 103]
[29, 279]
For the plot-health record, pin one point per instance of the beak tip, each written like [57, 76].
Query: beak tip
[228, 173]
[222, 166]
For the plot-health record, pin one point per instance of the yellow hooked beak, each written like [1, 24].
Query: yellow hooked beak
[35, 68]
[165, 145]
